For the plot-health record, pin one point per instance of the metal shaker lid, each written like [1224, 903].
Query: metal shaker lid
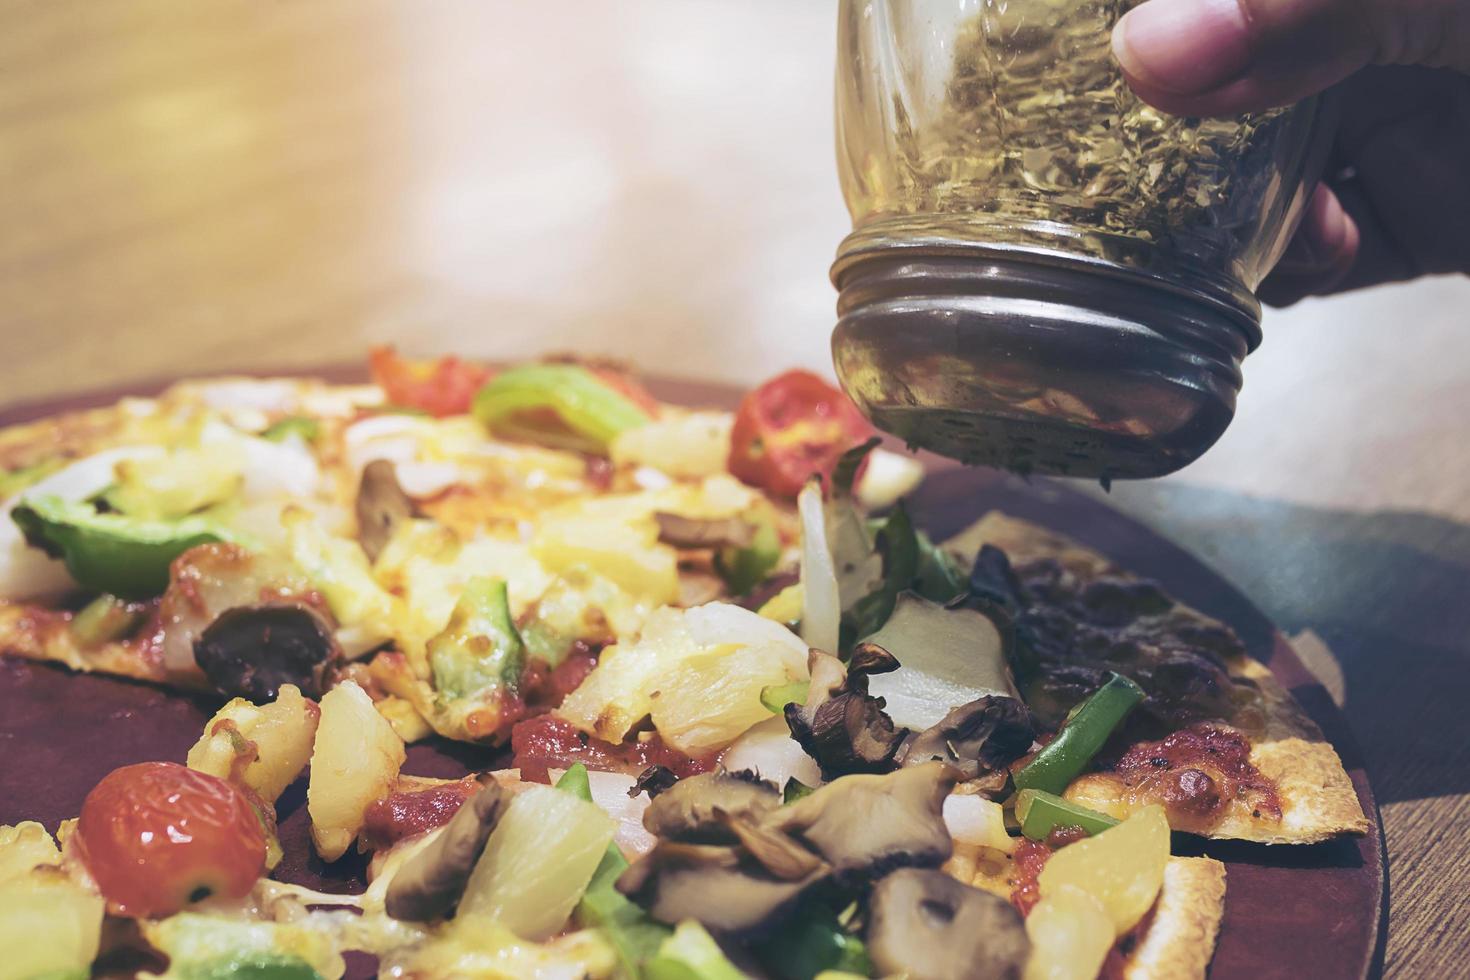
[1039, 363]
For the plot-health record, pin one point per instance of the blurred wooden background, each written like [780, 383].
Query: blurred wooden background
[227, 184]
[217, 185]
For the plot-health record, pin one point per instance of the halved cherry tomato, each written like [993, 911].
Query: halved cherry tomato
[445, 386]
[157, 836]
[791, 427]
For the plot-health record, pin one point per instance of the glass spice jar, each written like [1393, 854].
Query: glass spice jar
[1045, 273]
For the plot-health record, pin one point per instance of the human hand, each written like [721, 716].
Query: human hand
[1395, 201]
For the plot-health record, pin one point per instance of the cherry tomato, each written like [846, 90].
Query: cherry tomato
[157, 836]
[445, 386]
[791, 427]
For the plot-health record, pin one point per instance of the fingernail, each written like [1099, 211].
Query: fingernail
[1187, 47]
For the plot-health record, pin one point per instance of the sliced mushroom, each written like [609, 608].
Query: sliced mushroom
[828, 677]
[697, 532]
[429, 886]
[653, 781]
[695, 808]
[992, 578]
[783, 857]
[840, 726]
[979, 739]
[723, 888]
[927, 926]
[866, 825]
[382, 505]
[251, 651]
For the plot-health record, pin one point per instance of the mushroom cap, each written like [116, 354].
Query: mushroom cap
[840, 726]
[865, 825]
[381, 506]
[721, 887]
[430, 884]
[251, 651]
[653, 780]
[978, 739]
[925, 925]
[703, 532]
[695, 808]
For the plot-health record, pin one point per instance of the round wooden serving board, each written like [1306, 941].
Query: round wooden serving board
[1289, 911]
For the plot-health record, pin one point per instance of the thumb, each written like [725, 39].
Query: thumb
[1224, 57]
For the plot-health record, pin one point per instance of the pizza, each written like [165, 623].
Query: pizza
[749, 719]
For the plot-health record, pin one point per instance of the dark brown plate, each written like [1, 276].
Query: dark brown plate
[1289, 911]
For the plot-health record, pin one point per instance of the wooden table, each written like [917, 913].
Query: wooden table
[191, 187]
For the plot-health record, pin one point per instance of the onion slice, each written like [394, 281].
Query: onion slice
[768, 750]
[947, 657]
[976, 821]
[821, 613]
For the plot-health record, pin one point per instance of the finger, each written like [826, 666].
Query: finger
[1320, 256]
[1406, 138]
[1224, 57]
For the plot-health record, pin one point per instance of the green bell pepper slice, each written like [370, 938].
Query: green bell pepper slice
[743, 568]
[691, 953]
[248, 966]
[775, 697]
[293, 425]
[126, 556]
[1040, 812]
[811, 942]
[634, 934]
[585, 414]
[479, 649]
[104, 619]
[1063, 758]
[575, 781]
[795, 790]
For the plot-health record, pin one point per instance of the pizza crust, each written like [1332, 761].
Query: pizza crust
[1318, 800]
[33, 633]
[1181, 938]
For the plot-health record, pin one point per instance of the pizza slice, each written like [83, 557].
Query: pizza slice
[232, 535]
[1216, 740]
[600, 874]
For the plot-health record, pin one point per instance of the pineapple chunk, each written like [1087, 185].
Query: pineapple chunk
[634, 679]
[185, 481]
[1070, 935]
[48, 925]
[681, 444]
[405, 719]
[428, 565]
[1122, 867]
[710, 699]
[536, 864]
[354, 762]
[23, 847]
[622, 549]
[785, 606]
[263, 748]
